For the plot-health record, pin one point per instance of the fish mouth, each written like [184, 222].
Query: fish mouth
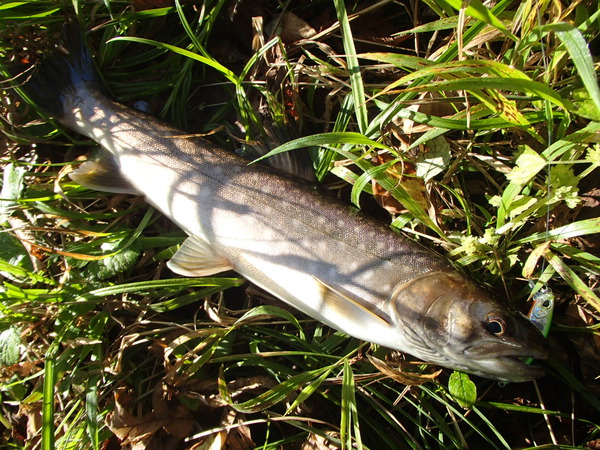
[516, 353]
[510, 364]
[520, 369]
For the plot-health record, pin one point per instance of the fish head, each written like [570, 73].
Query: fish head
[460, 325]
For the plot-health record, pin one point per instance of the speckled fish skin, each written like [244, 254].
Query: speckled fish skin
[314, 253]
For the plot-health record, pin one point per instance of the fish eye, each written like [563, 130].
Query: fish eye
[495, 325]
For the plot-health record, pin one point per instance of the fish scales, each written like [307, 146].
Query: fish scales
[265, 223]
[340, 267]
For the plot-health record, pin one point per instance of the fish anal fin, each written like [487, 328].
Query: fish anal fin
[102, 174]
[354, 310]
[195, 258]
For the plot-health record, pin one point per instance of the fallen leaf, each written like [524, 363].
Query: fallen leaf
[291, 28]
[414, 186]
[32, 412]
[167, 415]
[396, 373]
[318, 442]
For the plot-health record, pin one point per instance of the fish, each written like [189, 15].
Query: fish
[311, 251]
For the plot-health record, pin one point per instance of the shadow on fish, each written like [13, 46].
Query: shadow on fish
[343, 269]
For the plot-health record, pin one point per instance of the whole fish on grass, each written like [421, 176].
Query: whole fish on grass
[341, 268]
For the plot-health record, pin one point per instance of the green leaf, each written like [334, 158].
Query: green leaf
[472, 84]
[583, 105]
[270, 310]
[399, 60]
[48, 437]
[117, 262]
[580, 54]
[91, 409]
[349, 425]
[273, 396]
[358, 90]
[365, 179]
[12, 186]
[529, 163]
[584, 135]
[323, 139]
[13, 252]
[173, 284]
[462, 389]
[477, 10]
[563, 184]
[310, 389]
[571, 230]
[573, 279]
[10, 347]
[188, 54]
[434, 160]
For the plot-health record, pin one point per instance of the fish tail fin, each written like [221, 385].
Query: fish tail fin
[55, 83]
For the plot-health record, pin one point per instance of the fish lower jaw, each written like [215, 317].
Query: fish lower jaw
[512, 369]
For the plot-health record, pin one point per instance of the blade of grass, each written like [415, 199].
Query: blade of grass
[91, 409]
[391, 111]
[580, 54]
[571, 230]
[509, 84]
[584, 135]
[349, 425]
[272, 396]
[325, 139]
[48, 404]
[307, 391]
[477, 10]
[356, 83]
[356, 138]
[573, 279]
[187, 53]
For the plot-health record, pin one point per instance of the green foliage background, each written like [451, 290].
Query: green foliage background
[100, 346]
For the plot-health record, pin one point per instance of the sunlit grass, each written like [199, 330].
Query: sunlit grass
[479, 134]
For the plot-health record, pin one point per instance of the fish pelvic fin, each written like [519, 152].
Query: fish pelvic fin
[62, 75]
[196, 258]
[102, 174]
[352, 310]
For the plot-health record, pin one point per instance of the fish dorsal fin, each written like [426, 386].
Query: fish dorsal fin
[195, 258]
[102, 174]
[295, 163]
[353, 310]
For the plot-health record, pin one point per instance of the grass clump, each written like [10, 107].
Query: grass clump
[475, 127]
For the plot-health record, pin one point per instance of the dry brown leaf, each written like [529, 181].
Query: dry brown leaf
[22, 369]
[167, 415]
[294, 28]
[213, 442]
[595, 444]
[415, 187]
[33, 414]
[316, 442]
[397, 374]
[239, 436]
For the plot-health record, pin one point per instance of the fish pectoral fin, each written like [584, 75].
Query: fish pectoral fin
[195, 258]
[354, 310]
[102, 174]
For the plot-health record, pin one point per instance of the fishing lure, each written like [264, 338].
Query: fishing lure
[542, 309]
